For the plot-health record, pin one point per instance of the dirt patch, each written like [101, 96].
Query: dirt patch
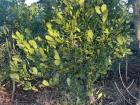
[5, 97]
[123, 88]
[117, 91]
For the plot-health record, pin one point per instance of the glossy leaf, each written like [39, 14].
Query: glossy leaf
[97, 9]
[104, 8]
[100, 95]
[45, 83]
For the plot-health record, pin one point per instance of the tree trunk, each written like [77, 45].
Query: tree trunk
[137, 22]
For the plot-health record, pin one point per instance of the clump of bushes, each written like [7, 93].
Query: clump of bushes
[79, 47]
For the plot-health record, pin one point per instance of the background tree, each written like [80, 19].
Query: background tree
[137, 21]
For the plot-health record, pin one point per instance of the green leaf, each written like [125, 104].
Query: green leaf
[56, 58]
[58, 21]
[54, 80]
[100, 95]
[105, 12]
[59, 15]
[31, 51]
[104, 17]
[34, 71]
[14, 37]
[14, 76]
[55, 34]
[81, 2]
[33, 9]
[68, 81]
[50, 31]
[49, 25]
[89, 34]
[17, 33]
[19, 36]
[33, 44]
[27, 86]
[16, 58]
[38, 38]
[104, 8]
[97, 9]
[45, 83]
[49, 38]
[43, 54]
[103, 72]
[26, 44]
[120, 40]
[34, 88]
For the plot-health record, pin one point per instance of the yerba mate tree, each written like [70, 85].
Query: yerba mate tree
[79, 47]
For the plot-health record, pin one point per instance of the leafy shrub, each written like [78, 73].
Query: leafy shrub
[79, 47]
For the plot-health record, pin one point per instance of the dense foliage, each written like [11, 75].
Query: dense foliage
[70, 46]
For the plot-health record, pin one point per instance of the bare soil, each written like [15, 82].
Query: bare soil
[118, 90]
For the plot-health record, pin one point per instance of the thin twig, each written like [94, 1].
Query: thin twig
[131, 84]
[126, 69]
[125, 85]
[121, 93]
[13, 90]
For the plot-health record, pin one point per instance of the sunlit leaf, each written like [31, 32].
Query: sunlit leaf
[55, 34]
[100, 95]
[31, 50]
[38, 38]
[81, 2]
[120, 40]
[104, 8]
[34, 88]
[89, 34]
[34, 71]
[33, 43]
[26, 44]
[56, 58]
[17, 33]
[59, 14]
[45, 83]
[19, 36]
[14, 37]
[49, 38]
[97, 9]
[49, 25]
